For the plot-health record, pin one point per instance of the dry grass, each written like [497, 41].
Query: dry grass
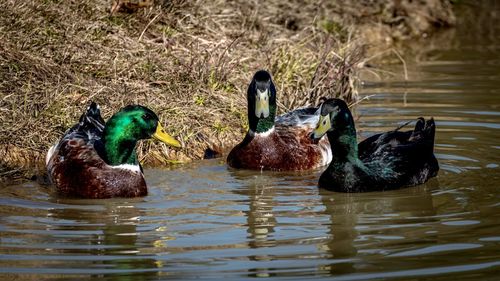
[189, 61]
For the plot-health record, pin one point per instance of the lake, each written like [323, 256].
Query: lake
[204, 220]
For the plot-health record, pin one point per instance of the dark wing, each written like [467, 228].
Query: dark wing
[402, 157]
[89, 127]
[370, 145]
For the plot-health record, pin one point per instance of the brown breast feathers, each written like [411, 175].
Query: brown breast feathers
[285, 149]
[77, 171]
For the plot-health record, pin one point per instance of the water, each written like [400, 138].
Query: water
[204, 220]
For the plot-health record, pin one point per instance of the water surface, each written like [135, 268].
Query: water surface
[204, 220]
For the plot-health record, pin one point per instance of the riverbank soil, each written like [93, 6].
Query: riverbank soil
[189, 61]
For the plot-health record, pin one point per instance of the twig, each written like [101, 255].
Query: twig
[364, 98]
[374, 73]
[403, 61]
[142, 33]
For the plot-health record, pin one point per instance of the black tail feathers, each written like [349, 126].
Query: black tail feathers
[91, 121]
[92, 115]
[420, 125]
[94, 110]
[430, 129]
[424, 129]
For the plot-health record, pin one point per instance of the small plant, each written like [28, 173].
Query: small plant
[199, 100]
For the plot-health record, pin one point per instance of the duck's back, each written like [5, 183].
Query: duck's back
[399, 159]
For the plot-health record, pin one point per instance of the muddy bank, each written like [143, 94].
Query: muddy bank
[189, 61]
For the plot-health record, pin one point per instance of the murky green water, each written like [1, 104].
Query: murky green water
[204, 220]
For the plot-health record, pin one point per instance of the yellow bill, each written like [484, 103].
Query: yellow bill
[164, 137]
[323, 126]
[262, 104]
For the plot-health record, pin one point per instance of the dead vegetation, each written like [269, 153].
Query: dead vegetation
[189, 61]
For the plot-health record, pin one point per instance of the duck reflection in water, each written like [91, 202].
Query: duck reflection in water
[260, 217]
[263, 218]
[108, 232]
[359, 220]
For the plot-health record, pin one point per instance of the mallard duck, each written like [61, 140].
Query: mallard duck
[97, 160]
[384, 161]
[277, 143]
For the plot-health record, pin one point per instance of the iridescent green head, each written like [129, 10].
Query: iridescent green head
[335, 116]
[261, 97]
[125, 128]
[336, 122]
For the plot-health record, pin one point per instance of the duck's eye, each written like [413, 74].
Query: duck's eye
[324, 122]
[147, 117]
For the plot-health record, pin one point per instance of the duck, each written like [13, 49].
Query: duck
[386, 161]
[96, 160]
[277, 143]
